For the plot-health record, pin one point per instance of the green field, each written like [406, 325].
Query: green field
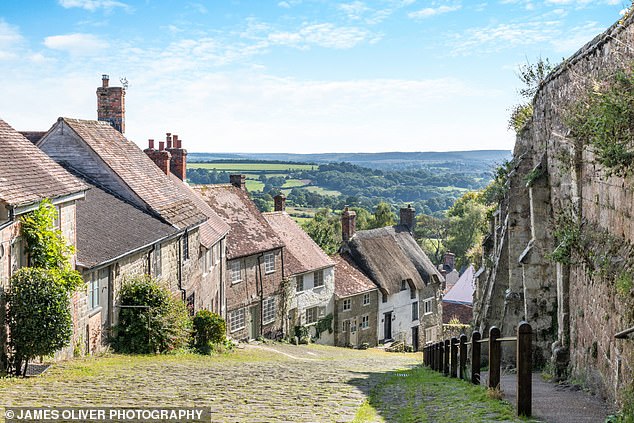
[322, 191]
[254, 185]
[251, 167]
[293, 183]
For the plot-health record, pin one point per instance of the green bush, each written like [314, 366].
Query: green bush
[151, 320]
[38, 315]
[209, 330]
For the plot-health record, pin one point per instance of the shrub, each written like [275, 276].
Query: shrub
[209, 329]
[38, 315]
[151, 320]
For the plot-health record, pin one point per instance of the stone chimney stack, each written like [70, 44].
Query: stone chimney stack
[449, 261]
[238, 181]
[408, 218]
[280, 203]
[178, 161]
[111, 104]
[160, 157]
[348, 224]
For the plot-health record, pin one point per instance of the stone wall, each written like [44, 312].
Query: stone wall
[573, 307]
[344, 337]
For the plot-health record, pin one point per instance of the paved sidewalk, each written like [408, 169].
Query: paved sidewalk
[555, 403]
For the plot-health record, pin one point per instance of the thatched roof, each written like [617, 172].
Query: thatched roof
[390, 255]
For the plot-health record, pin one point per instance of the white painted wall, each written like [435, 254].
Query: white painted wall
[321, 296]
[400, 304]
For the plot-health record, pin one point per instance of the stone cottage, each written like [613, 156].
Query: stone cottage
[410, 308]
[255, 263]
[28, 176]
[356, 305]
[310, 271]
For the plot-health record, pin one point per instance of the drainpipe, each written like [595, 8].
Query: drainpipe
[180, 269]
[149, 260]
[261, 290]
[222, 280]
[284, 318]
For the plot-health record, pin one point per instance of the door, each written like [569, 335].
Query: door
[254, 320]
[346, 333]
[415, 338]
[387, 326]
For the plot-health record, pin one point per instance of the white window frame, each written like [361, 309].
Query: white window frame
[237, 319]
[207, 266]
[157, 261]
[365, 322]
[347, 304]
[268, 310]
[269, 263]
[313, 314]
[235, 268]
[299, 280]
[428, 306]
[318, 278]
[430, 335]
[366, 299]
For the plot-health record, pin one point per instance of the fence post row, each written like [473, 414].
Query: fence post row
[450, 358]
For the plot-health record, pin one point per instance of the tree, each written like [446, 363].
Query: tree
[383, 215]
[365, 219]
[39, 316]
[431, 233]
[467, 226]
[325, 230]
[209, 329]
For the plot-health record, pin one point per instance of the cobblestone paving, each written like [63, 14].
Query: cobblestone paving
[262, 383]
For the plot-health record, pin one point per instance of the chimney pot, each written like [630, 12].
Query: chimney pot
[150, 143]
[408, 218]
[348, 224]
[238, 181]
[104, 81]
[280, 202]
[161, 145]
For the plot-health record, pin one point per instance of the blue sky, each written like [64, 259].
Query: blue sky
[292, 75]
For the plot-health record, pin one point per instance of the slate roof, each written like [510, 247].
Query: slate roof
[349, 278]
[214, 228]
[33, 136]
[389, 255]
[301, 253]
[249, 231]
[108, 227]
[27, 175]
[138, 172]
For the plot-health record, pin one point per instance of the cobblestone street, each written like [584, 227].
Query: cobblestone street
[277, 383]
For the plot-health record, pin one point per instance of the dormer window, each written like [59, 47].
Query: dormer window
[403, 285]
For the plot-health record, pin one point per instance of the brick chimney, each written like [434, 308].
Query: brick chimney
[280, 202]
[449, 261]
[160, 157]
[408, 218]
[178, 162]
[111, 104]
[238, 181]
[348, 224]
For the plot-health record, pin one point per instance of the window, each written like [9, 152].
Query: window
[415, 310]
[98, 280]
[269, 263]
[318, 278]
[430, 335]
[236, 320]
[57, 222]
[300, 283]
[366, 299]
[428, 305]
[268, 313]
[345, 326]
[347, 304]
[235, 271]
[313, 314]
[191, 301]
[403, 285]
[206, 261]
[412, 293]
[365, 322]
[384, 297]
[214, 254]
[156, 261]
[186, 246]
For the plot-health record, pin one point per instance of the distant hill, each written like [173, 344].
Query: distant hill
[456, 160]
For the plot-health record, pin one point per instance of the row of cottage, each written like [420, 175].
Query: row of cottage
[129, 211]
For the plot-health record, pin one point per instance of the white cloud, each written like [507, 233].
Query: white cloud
[575, 38]
[93, 5]
[433, 11]
[10, 40]
[324, 35]
[76, 44]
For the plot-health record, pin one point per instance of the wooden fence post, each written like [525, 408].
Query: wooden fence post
[475, 357]
[495, 357]
[447, 354]
[441, 356]
[434, 355]
[463, 356]
[524, 369]
[454, 357]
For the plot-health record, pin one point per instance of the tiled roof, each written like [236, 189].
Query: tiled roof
[250, 233]
[390, 255]
[108, 227]
[301, 253]
[138, 172]
[27, 175]
[214, 228]
[349, 279]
